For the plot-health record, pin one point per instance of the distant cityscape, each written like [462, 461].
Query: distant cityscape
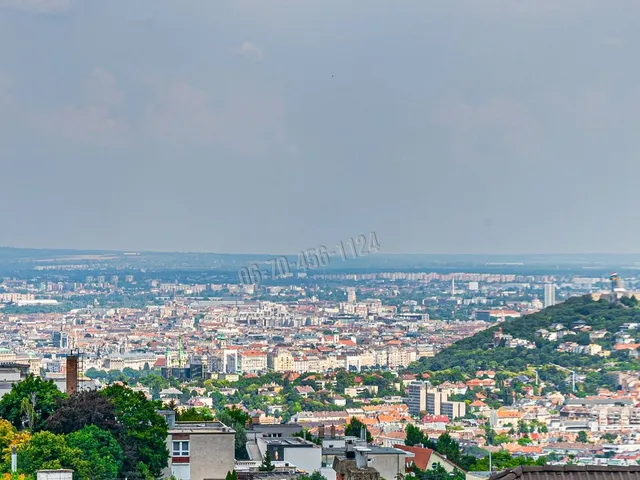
[307, 354]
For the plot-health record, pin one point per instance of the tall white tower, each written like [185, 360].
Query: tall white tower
[351, 295]
[549, 295]
[453, 286]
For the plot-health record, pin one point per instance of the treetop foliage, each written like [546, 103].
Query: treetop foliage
[103, 435]
[478, 352]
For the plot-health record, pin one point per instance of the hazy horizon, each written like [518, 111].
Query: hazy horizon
[334, 254]
[240, 126]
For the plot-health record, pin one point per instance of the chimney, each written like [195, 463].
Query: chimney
[362, 457]
[14, 459]
[321, 431]
[72, 374]
[350, 450]
[333, 431]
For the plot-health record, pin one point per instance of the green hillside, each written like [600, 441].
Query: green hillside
[478, 353]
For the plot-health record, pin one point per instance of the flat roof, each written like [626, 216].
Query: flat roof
[200, 427]
[289, 442]
[371, 450]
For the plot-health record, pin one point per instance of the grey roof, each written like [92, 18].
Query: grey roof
[599, 401]
[570, 472]
[372, 451]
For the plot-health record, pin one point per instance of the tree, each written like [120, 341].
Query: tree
[233, 475]
[490, 434]
[30, 403]
[10, 437]
[236, 419]
[502, 460]
[524, 441]
[101, 451]
[17, 476]
[414, 436]
[47, 450]
[354, 429]
[314, 476]
[437, 473]
[82, 409]
[582, 437]
[523, 427]
[195, 415]
[267, 465]
[500, 439]
[307, 435]
[448, 447]
[143, 435]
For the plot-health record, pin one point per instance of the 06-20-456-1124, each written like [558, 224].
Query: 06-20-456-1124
[309, 259]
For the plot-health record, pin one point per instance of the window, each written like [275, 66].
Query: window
[180, 449]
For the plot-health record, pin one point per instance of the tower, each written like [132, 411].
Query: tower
[453, 286]
[351, 295]
[549, 295]
[180, 352]
[72, 374]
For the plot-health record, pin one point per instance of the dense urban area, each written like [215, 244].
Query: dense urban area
[319, 240]
[115, 370]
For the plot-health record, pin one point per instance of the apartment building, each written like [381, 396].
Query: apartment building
[417, 397]
[252, 361]
[433, 401]
[191, 446]
[280, 360]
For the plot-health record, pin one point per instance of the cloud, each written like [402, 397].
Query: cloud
[92, 121]
[534, 7]
[244, 119]
[249, 50]
[502, 121]
[180, 113]
[36, 6]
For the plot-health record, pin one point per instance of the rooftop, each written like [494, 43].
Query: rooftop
[200, 427]
[371, 450]
[289, 442]
[569, 472]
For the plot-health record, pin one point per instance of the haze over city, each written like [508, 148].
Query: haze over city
[319, 240]
[251, 126]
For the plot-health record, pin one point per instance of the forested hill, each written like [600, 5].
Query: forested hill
[478, 352]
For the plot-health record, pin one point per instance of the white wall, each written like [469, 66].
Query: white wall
[55, 475]
[180, 470]
[308, 459]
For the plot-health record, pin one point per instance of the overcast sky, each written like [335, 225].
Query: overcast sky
[477, 126]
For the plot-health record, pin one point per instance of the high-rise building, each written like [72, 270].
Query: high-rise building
[417, 399]
[549, 295]
[434, 401]
[453, 409]
[60, 340]
[351, 295]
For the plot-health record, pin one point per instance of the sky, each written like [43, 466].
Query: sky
[458, 126]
